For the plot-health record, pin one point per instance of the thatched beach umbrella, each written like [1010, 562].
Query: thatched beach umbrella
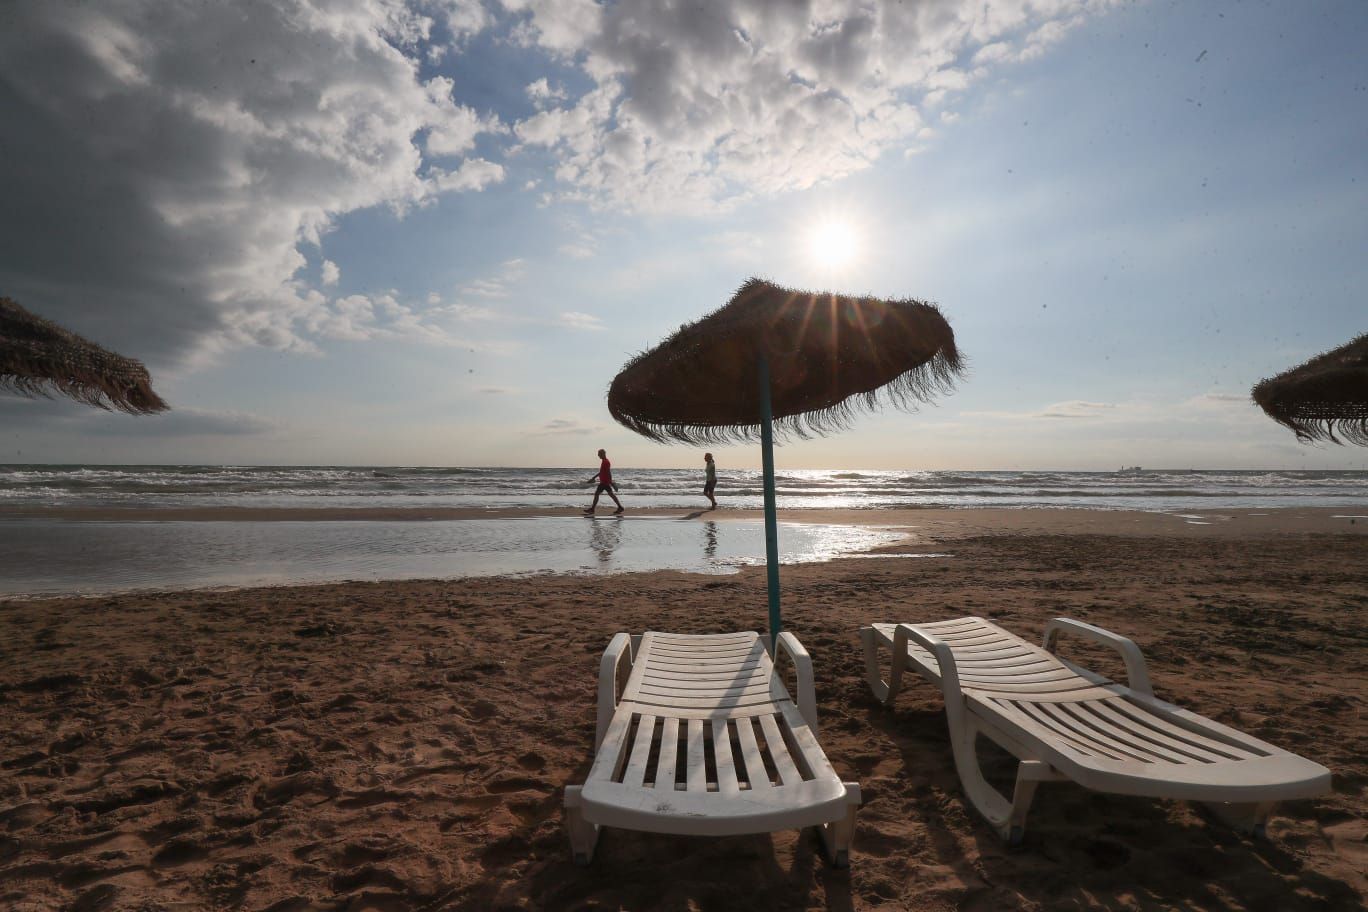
[37, 356]
[807, 362]
[1324, 396]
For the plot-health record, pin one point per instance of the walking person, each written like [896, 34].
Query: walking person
[604, 477]
[710, 479]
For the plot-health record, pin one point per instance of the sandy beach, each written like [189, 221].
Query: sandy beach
[404, 745]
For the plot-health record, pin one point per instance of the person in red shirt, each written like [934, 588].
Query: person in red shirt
[604, 477]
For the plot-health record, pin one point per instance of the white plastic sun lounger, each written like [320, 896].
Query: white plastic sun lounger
[706, 741]
[1064, 722]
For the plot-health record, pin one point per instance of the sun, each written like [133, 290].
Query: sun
[833, 244]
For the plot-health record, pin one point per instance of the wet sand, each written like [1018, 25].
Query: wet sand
[931, 520]
[404, 745]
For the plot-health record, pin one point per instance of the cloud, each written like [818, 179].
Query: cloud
[577, 320]
[567, 426]
[577, 250]
[330, 273]
[499, 284]
[165, 162]
[495, 390]
[1075, 408]
[366, 318]
[475, 174]
[695, 110]
[542, 93]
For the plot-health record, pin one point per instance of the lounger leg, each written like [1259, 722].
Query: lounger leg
[583, 834]
[884, 693]
[838, 835]
[1030, 773]
[1248, 818]
[1007, 818]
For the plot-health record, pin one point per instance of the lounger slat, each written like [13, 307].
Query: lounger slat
[656, 704]
[750, 753]
[944, 628]
[972, 639]
[1145, 717]
[1030, 714]
[727, 783]
[991, 651]
[1189, 750]
[669, 752]
[696, 775]
[703, 680]
[703, 666]
[778, 749]
[635, 773]
[702, 657]
[694, 649]
[1034, 666]
[1093, 736]
[1026, 660]
[1049, 692]
[702, 639]
[1011, 676]
[711, 691]
[1123, 735]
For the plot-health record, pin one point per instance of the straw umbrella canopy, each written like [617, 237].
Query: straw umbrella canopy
[1325, 396]
[807, 362]
[37, 357]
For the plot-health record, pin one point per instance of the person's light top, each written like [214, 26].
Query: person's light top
[712, 472]
[605, 475]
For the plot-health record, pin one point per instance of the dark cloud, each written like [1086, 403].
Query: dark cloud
[164, 162]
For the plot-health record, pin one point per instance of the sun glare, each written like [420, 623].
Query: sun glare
[833, 244]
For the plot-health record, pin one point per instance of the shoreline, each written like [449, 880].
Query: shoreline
[1077, 520]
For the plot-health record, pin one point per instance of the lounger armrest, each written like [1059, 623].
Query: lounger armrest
[945, 660]
[619, 647]
[1137, 674]
[802, 665]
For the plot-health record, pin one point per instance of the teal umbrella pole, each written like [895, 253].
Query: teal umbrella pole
[771, 520]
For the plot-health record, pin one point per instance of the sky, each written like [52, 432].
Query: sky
[429, 232]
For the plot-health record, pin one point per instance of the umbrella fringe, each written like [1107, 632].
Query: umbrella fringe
[907, 393]
[1323, 400]
[1326, 430]
[139, 400]
[38, 358]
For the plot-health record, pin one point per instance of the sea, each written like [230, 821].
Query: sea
[388, 486]
[46, 552]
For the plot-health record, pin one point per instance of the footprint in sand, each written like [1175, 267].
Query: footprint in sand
[179, 851]
[509, 784]
[358, 853]
[481, 710]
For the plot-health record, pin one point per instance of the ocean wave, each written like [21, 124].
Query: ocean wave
[89, 485]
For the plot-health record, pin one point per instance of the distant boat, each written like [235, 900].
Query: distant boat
[1130, 470]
